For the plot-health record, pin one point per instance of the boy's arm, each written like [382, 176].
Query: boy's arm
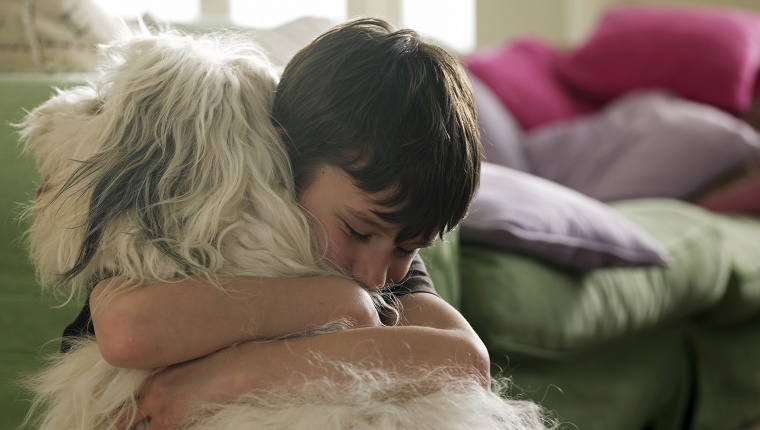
[431, 333]
[172, 322]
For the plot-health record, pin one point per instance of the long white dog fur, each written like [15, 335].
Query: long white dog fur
[172, 165]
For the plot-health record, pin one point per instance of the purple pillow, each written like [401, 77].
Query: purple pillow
[647, 144]
[500, 134]
[522, 74]
[519, 212]
[709, 55]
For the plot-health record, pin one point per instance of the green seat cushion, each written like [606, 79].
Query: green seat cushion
[642, 382]
[31, 322]
[741, 243]
[520, 305]
[34, 324]
[442, 263]
[18, 173]
[725, 339]
[728, 375]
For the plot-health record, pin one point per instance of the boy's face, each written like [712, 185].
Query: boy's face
[352, 237]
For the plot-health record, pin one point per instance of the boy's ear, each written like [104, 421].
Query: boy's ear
[280, 131]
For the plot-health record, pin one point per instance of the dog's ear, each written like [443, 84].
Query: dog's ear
[59, 134]
[56, 132]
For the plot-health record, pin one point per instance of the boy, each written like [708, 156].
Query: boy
[380, 127]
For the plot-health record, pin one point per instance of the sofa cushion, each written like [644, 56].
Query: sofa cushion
[741, 244]
[520, 212]
[442, 263]
[653, 367]
[646, 144]
[709, 55]
[279, 43]
[520, 305]
[54, 36]
[728, 375]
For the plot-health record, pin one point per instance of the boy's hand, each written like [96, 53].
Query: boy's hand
[169, 396]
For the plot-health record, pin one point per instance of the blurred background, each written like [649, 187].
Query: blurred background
[656, 118]
[462, 25]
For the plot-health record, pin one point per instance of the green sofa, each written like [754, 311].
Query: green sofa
[631, 348]
[30, 320]
[612, 349]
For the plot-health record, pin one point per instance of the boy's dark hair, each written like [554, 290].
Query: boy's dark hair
[394, 112]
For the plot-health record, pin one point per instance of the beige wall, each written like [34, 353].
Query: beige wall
[563, 22]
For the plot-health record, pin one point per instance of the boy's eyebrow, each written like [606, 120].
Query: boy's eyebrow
[374, 222]
[426, 244]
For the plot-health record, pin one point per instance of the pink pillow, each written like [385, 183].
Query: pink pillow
[740, 197]
[709, 55]
[522, 74]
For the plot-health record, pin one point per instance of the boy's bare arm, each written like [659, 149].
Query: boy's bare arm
[173, 322]
[432, 333]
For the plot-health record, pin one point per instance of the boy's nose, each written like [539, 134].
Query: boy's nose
[372, 272]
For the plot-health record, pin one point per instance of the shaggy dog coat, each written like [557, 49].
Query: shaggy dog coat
[168, 166]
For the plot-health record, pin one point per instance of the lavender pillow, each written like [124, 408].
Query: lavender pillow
[519, 212]
[646, 144]
[500, 134]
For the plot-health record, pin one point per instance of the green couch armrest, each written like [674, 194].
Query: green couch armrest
[442, 263]
[33, 322]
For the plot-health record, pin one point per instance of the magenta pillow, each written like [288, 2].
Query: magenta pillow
[742, 197]
[523, 75]
[519, 212]
[709, 55]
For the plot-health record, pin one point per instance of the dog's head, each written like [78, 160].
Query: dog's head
[167, 166]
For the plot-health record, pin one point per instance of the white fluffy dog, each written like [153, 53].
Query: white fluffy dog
[169, 166]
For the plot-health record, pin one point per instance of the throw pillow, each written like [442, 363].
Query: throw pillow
[516, 211]
[282, 42]
[523, 75]
[54, 35]
[648, 144]
[709, 55]
[279, 43]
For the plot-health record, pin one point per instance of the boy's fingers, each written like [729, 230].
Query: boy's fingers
[141, 425]
[126, 421]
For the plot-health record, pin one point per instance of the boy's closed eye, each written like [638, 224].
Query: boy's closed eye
[364, 238]
[355, 234]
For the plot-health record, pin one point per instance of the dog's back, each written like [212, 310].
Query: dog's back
[167, 165]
